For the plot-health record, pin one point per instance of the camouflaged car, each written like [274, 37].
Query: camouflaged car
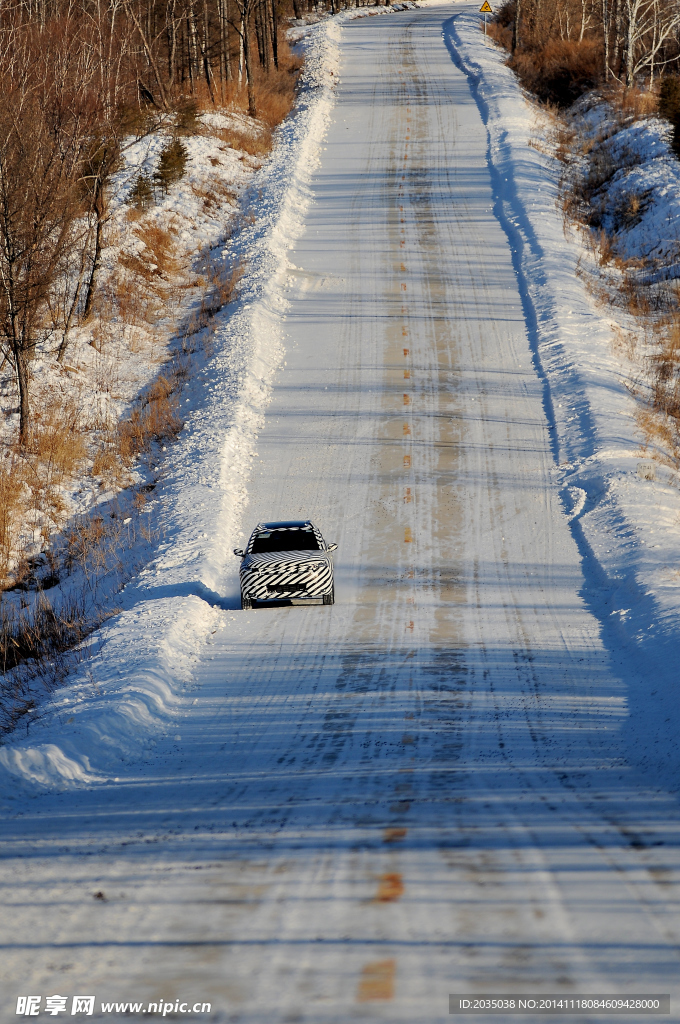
[288, 561]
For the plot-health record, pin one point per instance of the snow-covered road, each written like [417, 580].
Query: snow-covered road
[421, 790]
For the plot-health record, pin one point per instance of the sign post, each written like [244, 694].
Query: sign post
[485, 9]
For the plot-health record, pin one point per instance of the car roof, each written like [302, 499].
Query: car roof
[295, 524]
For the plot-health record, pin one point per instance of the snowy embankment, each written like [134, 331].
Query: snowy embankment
[624, 515]
[124, 698]
[632, 179]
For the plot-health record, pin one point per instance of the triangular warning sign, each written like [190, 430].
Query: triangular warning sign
[485, 8]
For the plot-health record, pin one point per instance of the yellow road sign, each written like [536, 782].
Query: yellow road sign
[485, 8]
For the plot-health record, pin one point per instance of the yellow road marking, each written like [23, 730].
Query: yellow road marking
[390, 888]
[377, 981]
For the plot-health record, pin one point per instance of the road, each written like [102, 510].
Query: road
[421, 790]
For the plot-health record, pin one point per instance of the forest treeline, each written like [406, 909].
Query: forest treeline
[77, 78]
[562, 48]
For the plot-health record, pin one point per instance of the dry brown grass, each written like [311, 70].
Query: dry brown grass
[636, 296]
[604, 246]
[107, 465]
[223, 282]
[214, 195]
[660, 437]
[34, 480]
[256, 141]
[633, 104]
[37, 638]
[13, 504]
[275, 96]
[657, 351]
[138, 294]
[274, 92]
[155, 418]
[160, 251]
[222, 287]
[501, 34]
[559, 70]
[135, 298]
[54, 456]
[90, 544]
[564, 142]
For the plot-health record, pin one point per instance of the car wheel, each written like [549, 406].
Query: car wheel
[329, 598]
[246, 603]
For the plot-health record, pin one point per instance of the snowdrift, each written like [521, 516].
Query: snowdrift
[624, 518]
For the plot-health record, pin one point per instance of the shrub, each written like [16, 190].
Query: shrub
[39, 632]
[669, 107]
[13, 503]
[186, 118]
[256, 141]
[171, 166]
[132, 120]
[159, 248]
[559, 71]
[155, 419]
[141, 196]
[669, 98]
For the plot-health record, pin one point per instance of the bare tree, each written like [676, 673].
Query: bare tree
[516, 26]
[649, 23]
[40, 140]
[148, 45]
[246, 10]
[101, 158]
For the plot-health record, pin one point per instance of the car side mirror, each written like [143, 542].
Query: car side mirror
[239, 552]
[331, 547]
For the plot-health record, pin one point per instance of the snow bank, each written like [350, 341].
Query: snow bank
[624, 513]
[638, 204]
[125, 697]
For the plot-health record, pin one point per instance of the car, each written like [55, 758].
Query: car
[286, 561]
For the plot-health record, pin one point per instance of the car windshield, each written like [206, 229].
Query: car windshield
[285, 540]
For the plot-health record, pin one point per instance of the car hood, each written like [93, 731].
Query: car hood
[280, 559]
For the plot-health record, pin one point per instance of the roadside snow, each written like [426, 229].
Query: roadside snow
[111, 358]
[123, 698]
[638, 200]
[625, 510]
